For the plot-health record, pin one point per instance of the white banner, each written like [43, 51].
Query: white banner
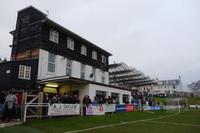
[95, 110]
[194, 106]
[173, 107]
[64, 109]
[110, 108]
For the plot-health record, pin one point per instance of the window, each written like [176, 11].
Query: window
[174, 87]
[24, 72]
[103, 77]
[83, 50]
[70, 43]
[69, 67]
[103, 59]
[82, 71]
[54, 36]
[94, 55]
[51, 63]
[125, 98]
[100, 94]
[94, 74]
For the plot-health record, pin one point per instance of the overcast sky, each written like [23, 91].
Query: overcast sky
[159, 37]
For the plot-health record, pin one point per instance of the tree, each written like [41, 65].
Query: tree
[3, 60]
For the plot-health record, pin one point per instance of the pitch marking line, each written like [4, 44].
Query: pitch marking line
[178, 124]
[121, 123]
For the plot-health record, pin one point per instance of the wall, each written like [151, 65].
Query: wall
[93, 88]
[9, 72]
[60, 69]
[83, 90]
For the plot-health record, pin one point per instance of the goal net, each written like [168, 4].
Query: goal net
[176, 104]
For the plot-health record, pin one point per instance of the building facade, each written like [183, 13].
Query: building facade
[65, 62]
[168, 87]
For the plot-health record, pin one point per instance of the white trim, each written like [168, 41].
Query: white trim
[53, 36]
[94, 54]
[70, 43]
[84, 50]
[24, 72]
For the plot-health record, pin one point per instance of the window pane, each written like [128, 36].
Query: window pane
[94, 55]
[51, 62]
[51, 67]
[83, 50]
[70, 43]
[51, 58]
[24, 72]
[53, 36]
[82, 71]
[103, 59]
[94, 74]
[68, 67]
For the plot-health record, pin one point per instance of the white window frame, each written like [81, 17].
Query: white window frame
[103, 59]
[51, 63]
[24, 72]
[53, 36]
[94, 55]
[94, 73]
[70, 43]
[82, 74]
[68, 67]
[103, 78]
[84, 50]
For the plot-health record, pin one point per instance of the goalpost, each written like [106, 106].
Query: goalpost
[174, 104]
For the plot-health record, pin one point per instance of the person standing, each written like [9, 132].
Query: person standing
[9, 107]
[19, 106]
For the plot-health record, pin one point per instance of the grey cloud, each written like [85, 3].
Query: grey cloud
[160, 38]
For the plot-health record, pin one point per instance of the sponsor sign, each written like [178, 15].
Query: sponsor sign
[146, 108]
[95, 110]
[151, 107]
[64, 109]
[194, 106]
[120, 108]
[129, 108]
[155, 107]
[110, 108]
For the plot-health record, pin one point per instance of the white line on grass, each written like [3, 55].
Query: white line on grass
[178, 124]
[121, 123]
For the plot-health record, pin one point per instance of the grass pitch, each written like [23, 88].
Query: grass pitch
[139, 122]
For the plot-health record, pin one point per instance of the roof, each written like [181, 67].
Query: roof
[29, 7]
[123, 75]
[46, 20]
[73, 79]
[65, 30]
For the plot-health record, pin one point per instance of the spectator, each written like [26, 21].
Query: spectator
[9, 107]
[19, 106]
[101, 100]
[95, 101]
[109, 100]
[87, 100]
[86, 103]
[76, 99]
[55, 99]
